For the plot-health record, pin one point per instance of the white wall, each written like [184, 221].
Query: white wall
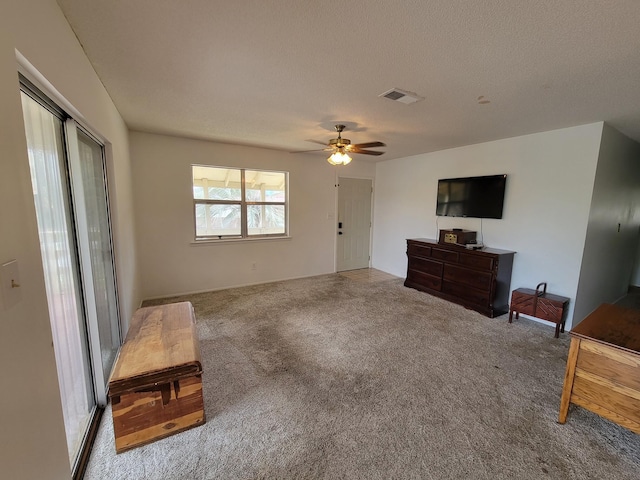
[614, 222]
[172, 264]
[32, 434]
[546, 209]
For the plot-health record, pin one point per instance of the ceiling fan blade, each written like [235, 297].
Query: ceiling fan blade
[365, 152]
[314, 150]
[317, 141]
[369, 145]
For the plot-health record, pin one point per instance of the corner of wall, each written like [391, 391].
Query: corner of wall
[613, 230]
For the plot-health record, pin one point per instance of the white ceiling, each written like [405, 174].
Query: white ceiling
[274, 73]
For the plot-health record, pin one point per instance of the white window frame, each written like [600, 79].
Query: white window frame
[243, 203]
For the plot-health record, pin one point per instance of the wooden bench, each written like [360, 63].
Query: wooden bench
[156, 384]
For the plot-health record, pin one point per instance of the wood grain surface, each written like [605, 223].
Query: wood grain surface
[603, 368]
[161, 345]
[156, 385]
[613, 325]
[143, 417]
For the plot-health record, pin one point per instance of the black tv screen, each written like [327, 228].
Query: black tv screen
[479, 197]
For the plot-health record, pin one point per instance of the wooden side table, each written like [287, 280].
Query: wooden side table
[603, 367]
[540, 304]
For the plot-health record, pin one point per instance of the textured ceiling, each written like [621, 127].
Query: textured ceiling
[274, 73]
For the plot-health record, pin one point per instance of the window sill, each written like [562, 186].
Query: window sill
[236, 240]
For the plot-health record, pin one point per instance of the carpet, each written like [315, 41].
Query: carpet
[328, 378]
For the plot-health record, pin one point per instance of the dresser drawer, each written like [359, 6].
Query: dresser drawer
[522, 301]
[484, 263]
[425, 265]
[424, 280]
[467, 276]
[479, 297]
[549, 310]
[445, 255]
[418, 250]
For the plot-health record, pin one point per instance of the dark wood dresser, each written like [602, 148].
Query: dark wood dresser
[476, 279]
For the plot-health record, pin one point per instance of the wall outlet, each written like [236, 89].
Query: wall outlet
[253, 266]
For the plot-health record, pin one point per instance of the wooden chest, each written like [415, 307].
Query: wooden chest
[540, 304]
[156, 385]
[603, 366]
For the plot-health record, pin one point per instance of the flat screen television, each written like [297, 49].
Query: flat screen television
[479, 197]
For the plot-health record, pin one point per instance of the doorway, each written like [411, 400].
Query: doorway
[354, 223]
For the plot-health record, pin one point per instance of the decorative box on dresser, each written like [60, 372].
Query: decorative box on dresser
[476, 279]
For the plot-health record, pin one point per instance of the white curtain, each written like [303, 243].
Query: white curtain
[44, 133]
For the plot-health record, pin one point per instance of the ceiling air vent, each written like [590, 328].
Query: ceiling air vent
[401, 96]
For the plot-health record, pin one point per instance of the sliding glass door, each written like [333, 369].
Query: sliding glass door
[70, 195]
[86, 164]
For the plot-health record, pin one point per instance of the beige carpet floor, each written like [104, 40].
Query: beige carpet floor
[330, 378]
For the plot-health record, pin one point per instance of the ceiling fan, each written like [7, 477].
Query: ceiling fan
[342, 147]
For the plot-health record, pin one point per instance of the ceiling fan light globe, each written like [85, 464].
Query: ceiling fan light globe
[339, 158]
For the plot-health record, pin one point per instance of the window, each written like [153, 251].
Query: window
[239, 203]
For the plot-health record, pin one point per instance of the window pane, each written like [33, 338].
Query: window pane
[201, 219]
[224, 193]
[265, 219]
[274, 196]
[216, 183]
[265, 186]
[217, 220]
[254, 195]
[101, 255]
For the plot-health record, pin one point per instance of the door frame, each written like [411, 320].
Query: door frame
[335, 215]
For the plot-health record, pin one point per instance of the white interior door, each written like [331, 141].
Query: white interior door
[354, 223]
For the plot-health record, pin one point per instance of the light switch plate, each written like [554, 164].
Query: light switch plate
[10, 282]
